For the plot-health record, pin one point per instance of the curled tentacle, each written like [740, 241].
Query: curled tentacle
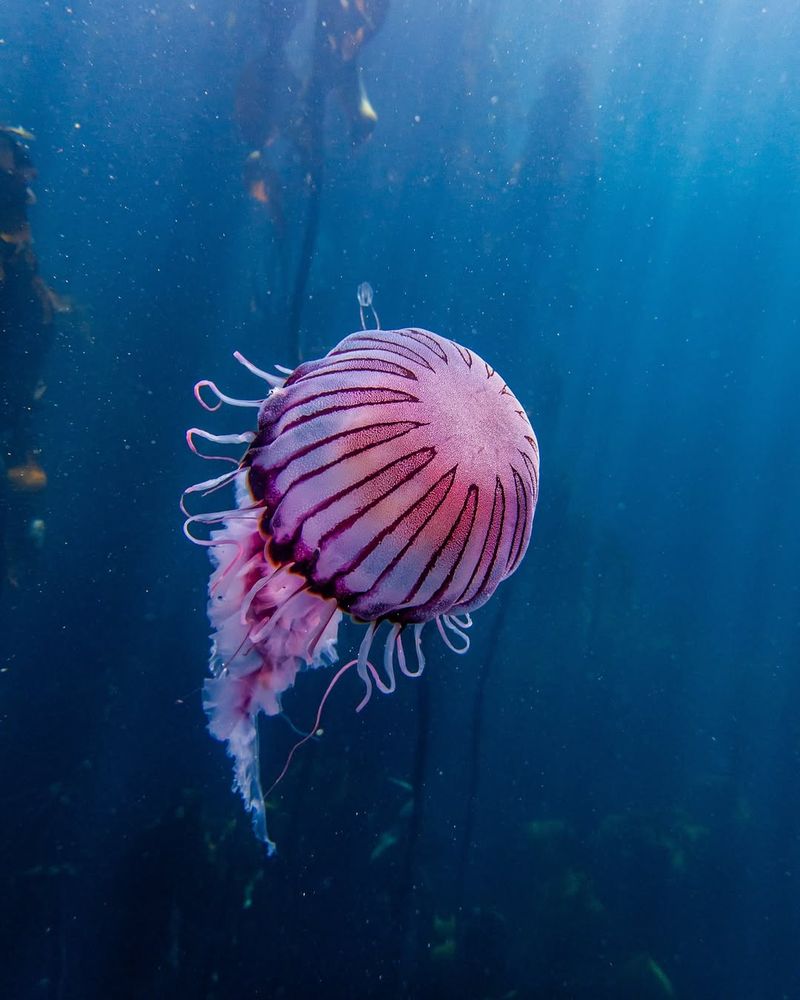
[206, 383]
[218, 517]
[463, 621]
[446, 621]
[208, 486]
[401, 655]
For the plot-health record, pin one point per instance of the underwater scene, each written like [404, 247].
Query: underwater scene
[309, 686]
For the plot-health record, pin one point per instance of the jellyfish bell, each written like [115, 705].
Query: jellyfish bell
[395, 481]
[364, 294]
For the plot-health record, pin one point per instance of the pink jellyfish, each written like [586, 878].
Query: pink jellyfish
[394, 480]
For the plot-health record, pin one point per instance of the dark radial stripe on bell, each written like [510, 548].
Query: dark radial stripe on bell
[498, 503]
[397, 472]
[532, 472]
[371, 365]
[468, 594]
[428, 454]
[470, 499]
[351, 394]
[357, 449]
[518, 535]
[400, 397]
[382, 598]
[373, 344]
[426, 340]
[469, 510]
[376, 433]
[437, 494]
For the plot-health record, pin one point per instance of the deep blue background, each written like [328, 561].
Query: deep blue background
[637, 805]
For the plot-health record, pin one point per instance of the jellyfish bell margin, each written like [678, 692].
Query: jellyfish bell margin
[394, 480]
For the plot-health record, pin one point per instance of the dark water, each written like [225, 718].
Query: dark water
[601, 799]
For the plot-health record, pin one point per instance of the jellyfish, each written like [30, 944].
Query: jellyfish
[393, 480]
[365, 295]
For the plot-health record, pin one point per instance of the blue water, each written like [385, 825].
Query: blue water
[601, 799]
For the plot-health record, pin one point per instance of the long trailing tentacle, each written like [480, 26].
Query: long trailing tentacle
[314, 729]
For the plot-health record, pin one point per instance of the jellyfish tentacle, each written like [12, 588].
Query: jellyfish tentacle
[248, 780]
[463, 620]
[314, 729]
[274, 380]
[232, 567]
[362, 664]
[222, 669]
[401, 653]
[385, 687]
[266, 626]
[245, 438]
[418, 627]
[216, 517]
[296, 729]
[206, 383]
[208, 543]
[388, 658]
[251, 594]
[317, 635]
[446, 621]
[374, 313]
[207, 486]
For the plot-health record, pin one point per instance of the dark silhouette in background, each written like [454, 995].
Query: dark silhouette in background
[27, 308]
[281, 115]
